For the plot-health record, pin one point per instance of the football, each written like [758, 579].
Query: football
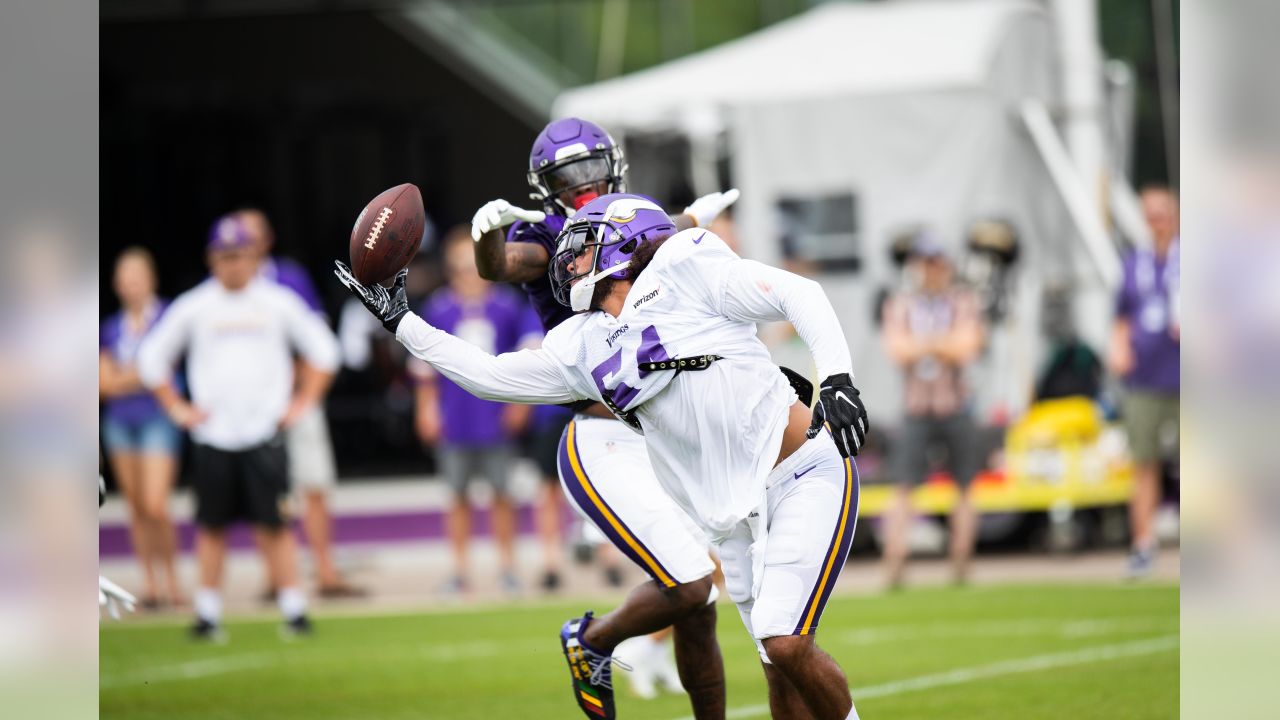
[387, 234]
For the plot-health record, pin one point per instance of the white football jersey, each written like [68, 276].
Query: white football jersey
[713, 435]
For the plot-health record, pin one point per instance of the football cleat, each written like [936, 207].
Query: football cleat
[296, 628]
[205, 631]
[591, 671]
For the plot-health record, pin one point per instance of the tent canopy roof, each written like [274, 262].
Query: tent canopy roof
[835, 50]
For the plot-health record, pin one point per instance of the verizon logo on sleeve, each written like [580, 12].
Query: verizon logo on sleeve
[646, 297]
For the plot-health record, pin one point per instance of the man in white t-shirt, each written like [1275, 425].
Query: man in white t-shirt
[239, 332]
[666, 338]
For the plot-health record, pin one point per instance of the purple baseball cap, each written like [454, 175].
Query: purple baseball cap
[228, 233]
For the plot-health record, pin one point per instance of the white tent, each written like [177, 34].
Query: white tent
[908, 112]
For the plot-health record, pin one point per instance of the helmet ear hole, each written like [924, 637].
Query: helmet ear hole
[630, 247]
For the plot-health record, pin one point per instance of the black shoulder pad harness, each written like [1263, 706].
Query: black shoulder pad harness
[698, 362]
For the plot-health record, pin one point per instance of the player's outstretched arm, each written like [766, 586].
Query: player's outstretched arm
[500, 261]
[756, 292]
[528, 376]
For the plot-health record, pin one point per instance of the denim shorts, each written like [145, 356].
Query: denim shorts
[157, 435]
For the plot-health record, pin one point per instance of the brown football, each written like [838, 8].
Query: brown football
[387, 234]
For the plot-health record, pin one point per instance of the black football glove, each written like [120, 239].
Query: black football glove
[388, 305]
[840, 408]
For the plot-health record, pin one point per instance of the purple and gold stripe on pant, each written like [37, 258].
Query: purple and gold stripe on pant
[837, 551]
[584, 494]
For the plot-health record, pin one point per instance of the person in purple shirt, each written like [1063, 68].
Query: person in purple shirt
[472, 437]
[1146, 352]
[141, 443]
[312, 470]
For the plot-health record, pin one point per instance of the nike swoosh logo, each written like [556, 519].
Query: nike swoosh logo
[805, 471]
[699, 238]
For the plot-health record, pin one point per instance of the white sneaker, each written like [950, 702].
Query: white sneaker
[637, 652]
[663, 662]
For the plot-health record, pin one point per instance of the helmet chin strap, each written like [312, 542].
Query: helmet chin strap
[581, 292]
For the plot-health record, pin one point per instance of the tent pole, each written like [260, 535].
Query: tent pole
[1073, 190]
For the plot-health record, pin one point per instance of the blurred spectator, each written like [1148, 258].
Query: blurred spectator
[142, 445]
[542, 443]
[312, 472]
[1145, 352]
[472, 436]
[933, 332]
[238, 331]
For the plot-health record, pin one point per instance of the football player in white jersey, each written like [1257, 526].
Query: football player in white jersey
[666, 338]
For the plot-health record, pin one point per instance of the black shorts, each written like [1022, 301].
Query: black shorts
[250, 484]
[542, 446]
[920, 437]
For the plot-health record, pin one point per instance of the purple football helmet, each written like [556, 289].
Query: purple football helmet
[572, 158]
[614, 225]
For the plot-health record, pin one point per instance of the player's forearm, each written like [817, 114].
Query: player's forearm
[491, 255]
[511, 377]
[515, 262]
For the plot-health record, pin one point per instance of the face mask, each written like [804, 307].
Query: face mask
[582, 291]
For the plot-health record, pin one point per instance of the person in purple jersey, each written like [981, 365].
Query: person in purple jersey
[312, 470]
[472, 436]
[573, 162]
[142, 444]
[1146, 352]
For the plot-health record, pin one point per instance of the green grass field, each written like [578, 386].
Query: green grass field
[1021, 651]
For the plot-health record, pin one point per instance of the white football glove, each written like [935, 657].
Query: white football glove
[500, 213]
[113, 598]
[706, 208]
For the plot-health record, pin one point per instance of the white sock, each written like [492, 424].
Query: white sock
[292, 601]
[853, 713]
[208, 605]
